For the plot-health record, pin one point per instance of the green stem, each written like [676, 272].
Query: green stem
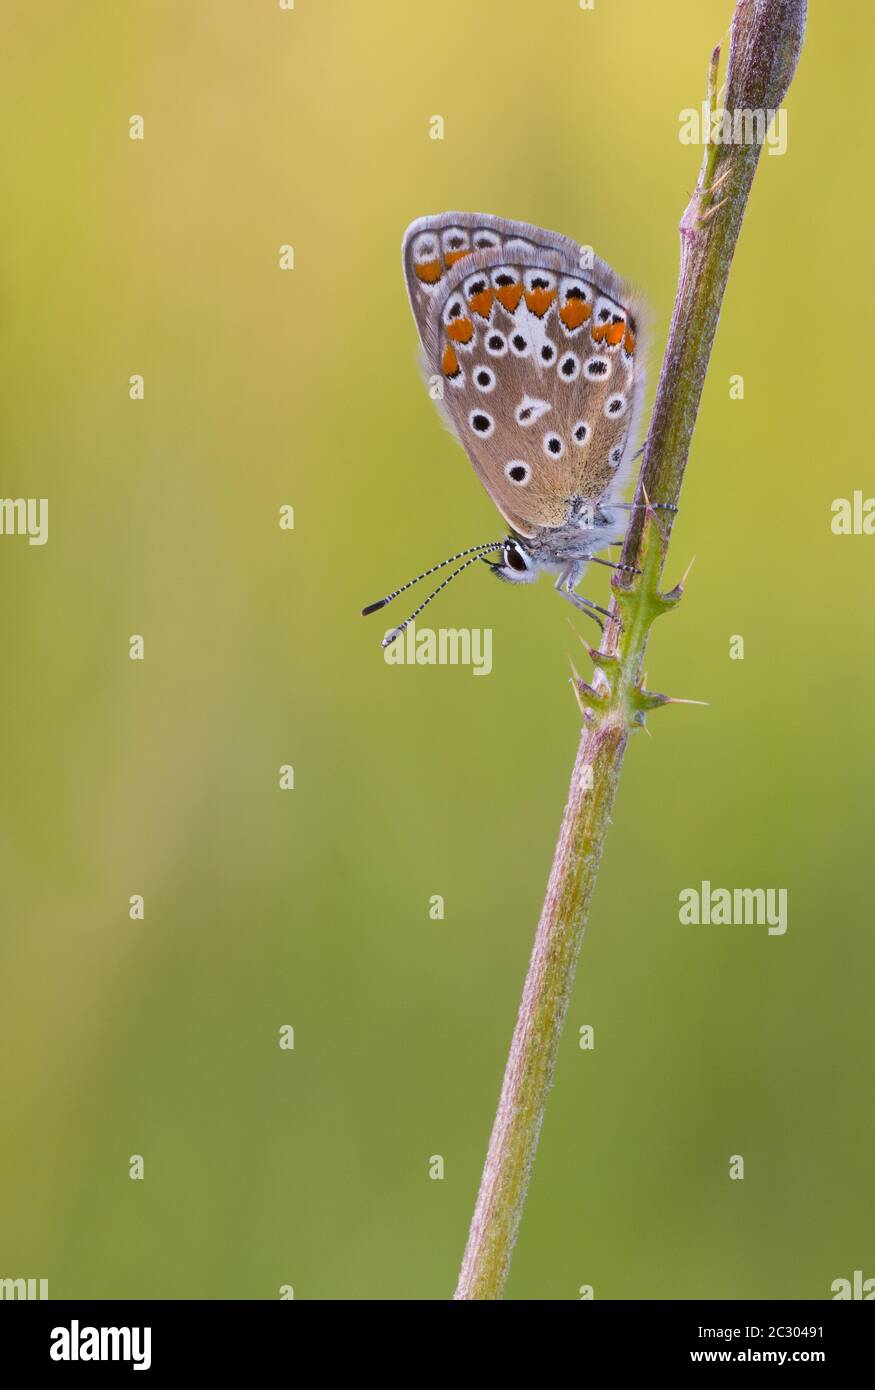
[765, 42]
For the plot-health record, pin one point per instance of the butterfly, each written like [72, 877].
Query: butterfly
[533, 349]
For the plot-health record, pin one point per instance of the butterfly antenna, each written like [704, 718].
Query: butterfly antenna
[397, 631]
[472, 549]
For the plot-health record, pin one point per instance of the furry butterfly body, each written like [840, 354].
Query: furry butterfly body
[537, 346]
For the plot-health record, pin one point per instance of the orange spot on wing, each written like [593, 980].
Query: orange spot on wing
[429, 272]
[460, 330]
[449, 361]
[539, 301]
[575, 312]
[452, 256]
[615, 333]
[600, 332]
[481, 303]
[509, 296]
[629, 341]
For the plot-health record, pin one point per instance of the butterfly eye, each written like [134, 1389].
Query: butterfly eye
[514, 558]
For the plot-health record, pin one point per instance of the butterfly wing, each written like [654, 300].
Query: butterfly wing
[538, 346]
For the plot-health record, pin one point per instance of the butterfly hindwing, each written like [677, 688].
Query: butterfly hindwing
[537, 345]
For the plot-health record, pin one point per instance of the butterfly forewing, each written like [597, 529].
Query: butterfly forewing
[537, 346]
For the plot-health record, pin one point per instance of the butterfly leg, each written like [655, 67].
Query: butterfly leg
[630, 569]
[584, 605]
[596, 560]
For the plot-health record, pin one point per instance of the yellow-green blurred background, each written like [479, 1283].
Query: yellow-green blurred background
[310, 907]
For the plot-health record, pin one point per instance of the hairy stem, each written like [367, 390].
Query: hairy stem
[765, 42]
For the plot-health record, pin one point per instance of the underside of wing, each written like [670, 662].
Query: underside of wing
[434, 245]
[538, 346]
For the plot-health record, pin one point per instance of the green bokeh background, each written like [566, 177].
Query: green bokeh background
[310, 907]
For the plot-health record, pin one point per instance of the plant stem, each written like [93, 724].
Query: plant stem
[765, 42]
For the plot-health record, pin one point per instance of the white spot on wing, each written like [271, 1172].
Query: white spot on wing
[529, 410]
[518, 471]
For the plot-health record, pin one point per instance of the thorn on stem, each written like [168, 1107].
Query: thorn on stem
[706, 216]
[673, 596]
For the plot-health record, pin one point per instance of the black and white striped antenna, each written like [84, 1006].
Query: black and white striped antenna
[475, 552]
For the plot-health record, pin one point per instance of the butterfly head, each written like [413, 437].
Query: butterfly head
[517, 565]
